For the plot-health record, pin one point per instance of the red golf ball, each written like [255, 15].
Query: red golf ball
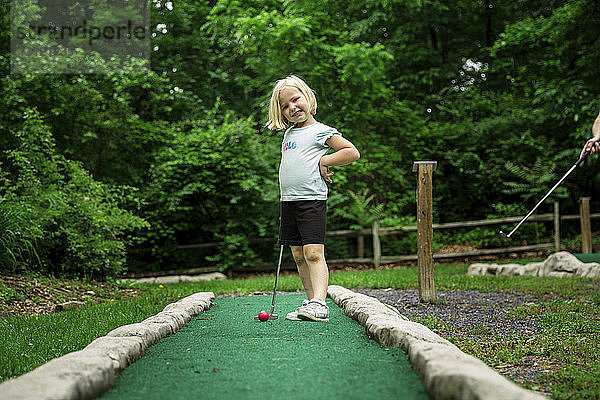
[263, 315]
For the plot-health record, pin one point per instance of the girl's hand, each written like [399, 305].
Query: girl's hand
[326, 173]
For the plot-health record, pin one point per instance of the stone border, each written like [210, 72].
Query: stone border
[213, 276]
[87, 373]
[447, 372]
[560, 264]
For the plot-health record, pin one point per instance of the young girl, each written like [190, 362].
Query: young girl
[303, 171]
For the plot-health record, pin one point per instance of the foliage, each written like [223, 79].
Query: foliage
[67, 222]
[533, 182]
[17, 234]
[204, 184]
[8, 294]
[111, 123]
[473, 85]
[360, 211]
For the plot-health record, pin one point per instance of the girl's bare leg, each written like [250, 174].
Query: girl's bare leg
[303, 270]
[318, 273]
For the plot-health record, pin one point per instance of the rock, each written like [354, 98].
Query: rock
[122, 351]
[477, 269]
[213, 276]
[561, 264]
[561, 261]
[591, 270]
[559, 274]
[532, 269]
[167, 279]
[78, 375]
[144, 280]
[149, 333]
[493, 269]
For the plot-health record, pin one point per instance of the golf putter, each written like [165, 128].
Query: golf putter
[271, 314]
[507, 236]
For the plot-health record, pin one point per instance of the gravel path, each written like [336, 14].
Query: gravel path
[461, 314]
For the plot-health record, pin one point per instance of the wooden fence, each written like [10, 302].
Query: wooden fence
[425, 230]
[376, 232]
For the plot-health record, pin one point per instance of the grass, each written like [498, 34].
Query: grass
[569, 336]
[570, 324]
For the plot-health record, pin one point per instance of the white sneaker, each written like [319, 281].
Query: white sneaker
[293, 316]
[315, 310]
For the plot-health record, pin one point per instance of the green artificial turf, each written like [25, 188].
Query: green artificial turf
[588, 257]
[225, 354]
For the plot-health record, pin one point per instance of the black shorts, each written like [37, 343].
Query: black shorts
[303, 222]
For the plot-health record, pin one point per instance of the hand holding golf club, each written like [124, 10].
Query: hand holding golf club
[592, 145]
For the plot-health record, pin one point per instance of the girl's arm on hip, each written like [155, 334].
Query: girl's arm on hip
[345, 152]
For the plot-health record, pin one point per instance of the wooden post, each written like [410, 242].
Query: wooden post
[360, 246]
[586, 226]
[424, 171]
[557, 226]
[376, 245]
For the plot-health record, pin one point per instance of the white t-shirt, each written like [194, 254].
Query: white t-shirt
[301, 150]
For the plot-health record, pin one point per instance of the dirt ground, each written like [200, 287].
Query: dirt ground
[21, 295]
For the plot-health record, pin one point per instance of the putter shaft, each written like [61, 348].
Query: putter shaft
[276, 280]
[546, 196]
[271, 314]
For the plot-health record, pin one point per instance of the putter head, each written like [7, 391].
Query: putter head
[504, 235]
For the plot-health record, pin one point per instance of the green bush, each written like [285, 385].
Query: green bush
[17, 232]
[56, 217]
[216, 182]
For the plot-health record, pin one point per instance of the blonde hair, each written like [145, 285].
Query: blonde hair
[276, 119]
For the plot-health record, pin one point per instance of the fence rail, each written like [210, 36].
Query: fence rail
[548, 217]
[409, 228]
[377, 232]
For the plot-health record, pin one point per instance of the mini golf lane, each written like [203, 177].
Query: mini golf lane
[224, 353]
